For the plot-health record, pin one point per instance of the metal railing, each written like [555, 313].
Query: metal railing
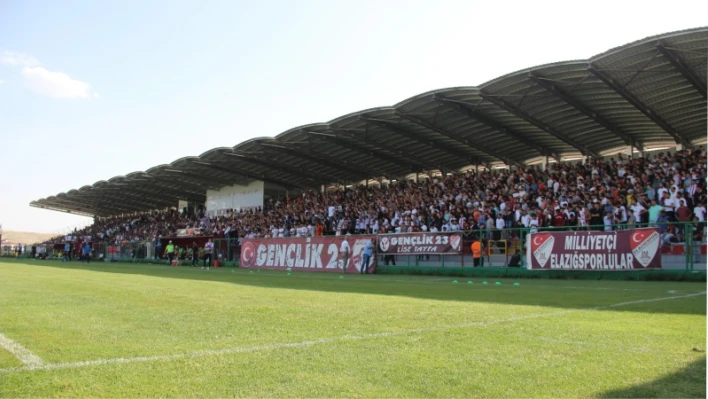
[686, 251]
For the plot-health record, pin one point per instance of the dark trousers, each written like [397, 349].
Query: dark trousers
[87, 257]
[389, 258]
[477, 262]
[207, 256]
[170, 256]
[195, 260]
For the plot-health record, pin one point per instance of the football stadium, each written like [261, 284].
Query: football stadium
[539, 235]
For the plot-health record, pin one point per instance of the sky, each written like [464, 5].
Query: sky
[94, 89]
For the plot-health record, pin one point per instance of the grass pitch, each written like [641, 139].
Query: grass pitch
[120, 330]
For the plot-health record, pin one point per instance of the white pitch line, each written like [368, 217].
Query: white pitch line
[595, 344]
[228, 351]
[22, 354]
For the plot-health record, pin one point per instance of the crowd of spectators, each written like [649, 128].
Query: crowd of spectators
[604, 194]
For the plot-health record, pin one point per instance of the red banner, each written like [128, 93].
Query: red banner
[594, 250]
[421, 243]
[320, 254]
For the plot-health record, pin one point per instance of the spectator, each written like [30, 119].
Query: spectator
[515, 260]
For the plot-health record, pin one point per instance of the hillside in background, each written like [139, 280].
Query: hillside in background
[25, 237]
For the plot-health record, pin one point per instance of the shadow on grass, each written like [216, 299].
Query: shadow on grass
[568, 294]
[690, 382]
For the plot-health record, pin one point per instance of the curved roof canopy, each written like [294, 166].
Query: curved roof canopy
[647, 93]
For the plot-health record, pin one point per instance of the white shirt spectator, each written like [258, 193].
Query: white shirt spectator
[638, 209]
[700, 212]
[344, 247]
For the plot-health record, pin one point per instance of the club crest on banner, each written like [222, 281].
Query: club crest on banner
[645, 245]
[384, 243]
[542, 246]
[455, 242]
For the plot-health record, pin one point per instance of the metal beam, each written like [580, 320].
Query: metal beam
[127, 199]
[391, 127]
[243, 179]
[630, 98]
[133, 199]
[541, 125]
[558, 92]
[169, 186]
[259, 176]
[463, 109]
[349, 145]
[165, 192]
[36, 204]
[92, 205]
[281, 167]
[367, 139]
[196, 180]
[476, 145]
[685, 71]
[321, 159]
[97, 205]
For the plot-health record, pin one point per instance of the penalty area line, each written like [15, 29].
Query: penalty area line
[228, 351]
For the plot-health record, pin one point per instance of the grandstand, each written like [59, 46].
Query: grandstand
[554, 141]
[643, 95]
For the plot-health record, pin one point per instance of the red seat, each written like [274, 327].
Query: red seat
[679, 249]
[703, 249]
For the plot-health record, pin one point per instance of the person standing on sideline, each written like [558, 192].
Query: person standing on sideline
[208, 248]
[170, 251]
[476, 249]
[158, 253]
[87, 252]
[366, 256]
[195, 254]
[344, 251]
[67, 252]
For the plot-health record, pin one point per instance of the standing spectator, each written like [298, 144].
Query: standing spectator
[170, 252]
[515, 260]
[683, 214]
[208, 249]
[700, 212]
[476, 249]
[195, 254]
[608, 220]
[158, 251]
[663, 221]
[500, 224]
[87, 252]
[654, 211]
[632, 220]
[344, 252]
[366, 256]
[596, 217]
[638, 211]
[67, 252]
